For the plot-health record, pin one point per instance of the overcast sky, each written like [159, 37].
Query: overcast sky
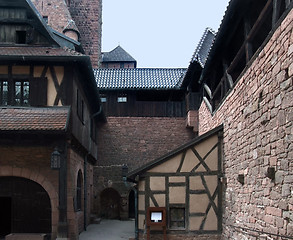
[159, 33]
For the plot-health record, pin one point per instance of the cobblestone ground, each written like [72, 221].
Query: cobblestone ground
[109, 230]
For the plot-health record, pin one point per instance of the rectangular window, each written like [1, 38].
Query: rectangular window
[177, 218]
[122, 98]
[4, 93]
[79, 106]
[21, 93]
[20, 37]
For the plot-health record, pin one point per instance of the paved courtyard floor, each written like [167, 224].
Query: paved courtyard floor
[109, 230]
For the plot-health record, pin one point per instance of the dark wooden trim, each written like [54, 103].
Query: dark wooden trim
[187, 202]
[198, 214]
[248, 45]
[181, 162]
[198, 192]
[202, 162]
[210, 196]
[276, 11]
[158, 192]
[151, 194]
[177, 184]
[182, 174]
[260, 20]
[44, 72]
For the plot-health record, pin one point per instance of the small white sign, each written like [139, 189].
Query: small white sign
[156, 216]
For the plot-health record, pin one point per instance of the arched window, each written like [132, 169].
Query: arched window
[78, 197]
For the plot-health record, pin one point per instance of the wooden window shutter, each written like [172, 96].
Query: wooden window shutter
[38, 91]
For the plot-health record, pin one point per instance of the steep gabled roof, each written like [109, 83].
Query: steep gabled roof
[199, 58]
[118, 54]
[203, 48]
[34, 119]
[139, 78]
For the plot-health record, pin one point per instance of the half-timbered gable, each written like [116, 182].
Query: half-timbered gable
[186, 183]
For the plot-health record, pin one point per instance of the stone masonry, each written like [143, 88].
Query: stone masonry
[258, 116]
[87, 15]
[137, 140]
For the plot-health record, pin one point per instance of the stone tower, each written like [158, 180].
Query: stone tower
[87, 15]
[80, 20]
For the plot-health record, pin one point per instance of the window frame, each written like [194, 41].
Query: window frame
[177, 207]
[78, 192]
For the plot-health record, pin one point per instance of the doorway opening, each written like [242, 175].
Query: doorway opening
[25, 207]
[131, 204]
[5, 216]
[110, 204]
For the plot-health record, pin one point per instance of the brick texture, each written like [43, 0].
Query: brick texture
[258, 133]
[17, 161]
[182, 236]
[134, 141]
[87, 15]
[137, 140]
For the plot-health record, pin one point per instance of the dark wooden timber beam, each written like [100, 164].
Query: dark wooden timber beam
[257, 25]
[208, 90]
[276, 11]
[248, 45]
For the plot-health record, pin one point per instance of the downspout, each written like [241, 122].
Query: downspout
[135, 205]
[85, 192]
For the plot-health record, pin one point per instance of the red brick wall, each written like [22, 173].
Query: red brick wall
[33, 162]
[138, 140]
[87, 15]
[56, 11]
[258, 133]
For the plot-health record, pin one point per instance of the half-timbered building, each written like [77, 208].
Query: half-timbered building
[49, 113]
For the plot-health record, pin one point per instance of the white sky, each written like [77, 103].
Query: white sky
[159, 33]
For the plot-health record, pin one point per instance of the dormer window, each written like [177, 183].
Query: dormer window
[21, 37]
[45, 18]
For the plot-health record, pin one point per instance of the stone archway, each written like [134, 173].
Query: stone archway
[27, 206]
[110, 204]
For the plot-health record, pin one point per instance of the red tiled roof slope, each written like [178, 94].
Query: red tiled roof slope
[37, 51]
[34, 119]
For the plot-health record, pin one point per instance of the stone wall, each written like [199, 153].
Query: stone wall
[133, 141]
[258, 133]
[137, 140]
[87, 16]
[56, 11]
[189, 236]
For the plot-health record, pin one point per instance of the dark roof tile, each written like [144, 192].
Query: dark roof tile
[139, 78]
[203, 48]
[117, 55]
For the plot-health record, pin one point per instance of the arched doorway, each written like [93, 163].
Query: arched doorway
[26, 207]
[110, 204]
[131, 204]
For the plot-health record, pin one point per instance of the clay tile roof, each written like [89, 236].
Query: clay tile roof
[139, 78]
[37, 51]
[34, 119]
